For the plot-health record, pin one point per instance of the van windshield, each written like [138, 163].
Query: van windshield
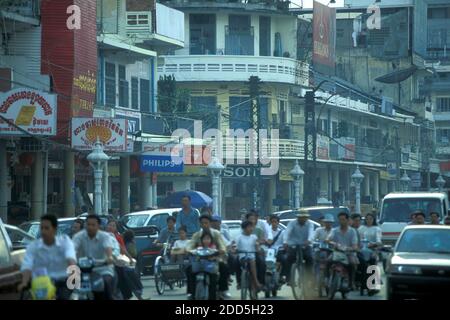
[399, 210]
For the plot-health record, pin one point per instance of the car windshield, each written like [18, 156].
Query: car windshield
[135, 221]
[425, 240]
[399, 210]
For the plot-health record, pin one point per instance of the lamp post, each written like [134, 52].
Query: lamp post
[97, 158]
[357, 178]
[297, 173]
[440, 181]
[405, 180]
[216, 168]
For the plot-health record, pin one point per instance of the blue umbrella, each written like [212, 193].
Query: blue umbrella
[198, 199]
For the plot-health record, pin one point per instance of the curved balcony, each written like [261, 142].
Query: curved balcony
[235, 68]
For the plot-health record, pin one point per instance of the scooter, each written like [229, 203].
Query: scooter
[204, 265]
[368, 256]
[339, 279]
[90, 281]
[272, 276]
[322, 252]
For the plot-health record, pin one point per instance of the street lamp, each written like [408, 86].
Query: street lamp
[440, 181]
[97, 158]
[216, 168]
[297, 173]
[357, 178]
[405, 180]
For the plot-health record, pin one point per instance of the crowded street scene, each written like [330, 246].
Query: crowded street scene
[224, 150]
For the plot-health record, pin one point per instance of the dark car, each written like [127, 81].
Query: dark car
[420, 264]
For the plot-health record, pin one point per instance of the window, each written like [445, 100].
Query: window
[264, 36]
[439, 13]
[239, 37]
[240, 113]
[443, 104]
[205, 108]
[110, 84]
[5, 258]
[202, 32]
[134, 93]
[135, 19]
[123, 87]
[145, 95]
[443, 135]
[159, 220]
[282, 111]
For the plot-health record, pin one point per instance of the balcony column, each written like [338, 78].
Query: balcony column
[376, 187]
[124, 185]
[367, 184]
[146, 193]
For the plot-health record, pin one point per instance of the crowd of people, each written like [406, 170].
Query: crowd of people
[191, 230]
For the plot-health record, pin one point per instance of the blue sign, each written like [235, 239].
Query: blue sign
[161, 163]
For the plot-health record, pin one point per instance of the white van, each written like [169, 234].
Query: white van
[396, 209]
[146, 218]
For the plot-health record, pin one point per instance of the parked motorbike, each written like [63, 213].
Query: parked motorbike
[322, 251]
[368, 256]
[204, 264]
[272, 275]
[339, 280]
[90, 281]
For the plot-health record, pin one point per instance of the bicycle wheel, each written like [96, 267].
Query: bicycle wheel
[334, 286]
[159, 283]
[297, 282]
[244, 284]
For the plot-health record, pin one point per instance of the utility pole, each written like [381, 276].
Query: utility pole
[254, 83]
[310, 163]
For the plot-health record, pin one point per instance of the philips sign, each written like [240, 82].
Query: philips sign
[161, 164]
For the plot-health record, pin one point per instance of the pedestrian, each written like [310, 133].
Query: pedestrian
[52, 252]
[447, 220]
[77, 226]
[96, 244]
[188, 216]
[434, 218]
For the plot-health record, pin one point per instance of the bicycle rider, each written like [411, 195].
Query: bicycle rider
[299, 232]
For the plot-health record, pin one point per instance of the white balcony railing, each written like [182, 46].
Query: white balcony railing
[234, 68]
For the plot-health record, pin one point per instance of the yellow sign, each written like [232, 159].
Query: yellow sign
[284, 171]
[188, 171]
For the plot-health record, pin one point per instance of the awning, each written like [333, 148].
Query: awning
[397, 76]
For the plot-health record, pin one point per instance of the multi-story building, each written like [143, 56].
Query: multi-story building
[130, 36]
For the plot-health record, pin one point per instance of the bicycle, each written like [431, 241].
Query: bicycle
[297, 274]
[168, 273]
[247, 288]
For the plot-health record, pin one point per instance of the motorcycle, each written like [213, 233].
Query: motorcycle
[272, 276]
[90, 281]
[339, 279]
[368, 256]
[322, 252]
[204, 265]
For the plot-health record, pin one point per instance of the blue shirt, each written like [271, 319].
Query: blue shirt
[297, 234]
[189, 220]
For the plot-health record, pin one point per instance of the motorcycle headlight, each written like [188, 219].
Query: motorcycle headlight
[406, 269]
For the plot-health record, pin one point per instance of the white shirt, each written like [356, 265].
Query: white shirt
[371, 234]
[279, 242]
[264, 226]
[180, 244]
[246, 243]
[53, 258]
[321, 234]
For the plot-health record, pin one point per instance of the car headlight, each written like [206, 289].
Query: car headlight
[405, 269]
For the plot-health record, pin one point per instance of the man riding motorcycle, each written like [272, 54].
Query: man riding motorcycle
[217, 240]
[299, 232]
[346, 238]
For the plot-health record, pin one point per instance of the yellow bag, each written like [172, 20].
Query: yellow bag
[42, 288]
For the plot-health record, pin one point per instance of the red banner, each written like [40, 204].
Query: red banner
[324, 38]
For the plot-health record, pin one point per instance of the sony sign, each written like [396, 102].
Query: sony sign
[240, 172]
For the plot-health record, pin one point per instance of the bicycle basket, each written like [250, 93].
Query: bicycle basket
[339, 257]
[172, 271]
[203, 265]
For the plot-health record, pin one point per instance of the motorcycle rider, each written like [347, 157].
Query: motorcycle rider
[52, 252]
[420, 217]
[94, 243]
[434, 218]
[166, 233]
[346, 237]
[370, 231]
[322, 233]
[299, 232]
[217, 240]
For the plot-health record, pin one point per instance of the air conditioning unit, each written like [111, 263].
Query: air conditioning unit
[371, 107]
